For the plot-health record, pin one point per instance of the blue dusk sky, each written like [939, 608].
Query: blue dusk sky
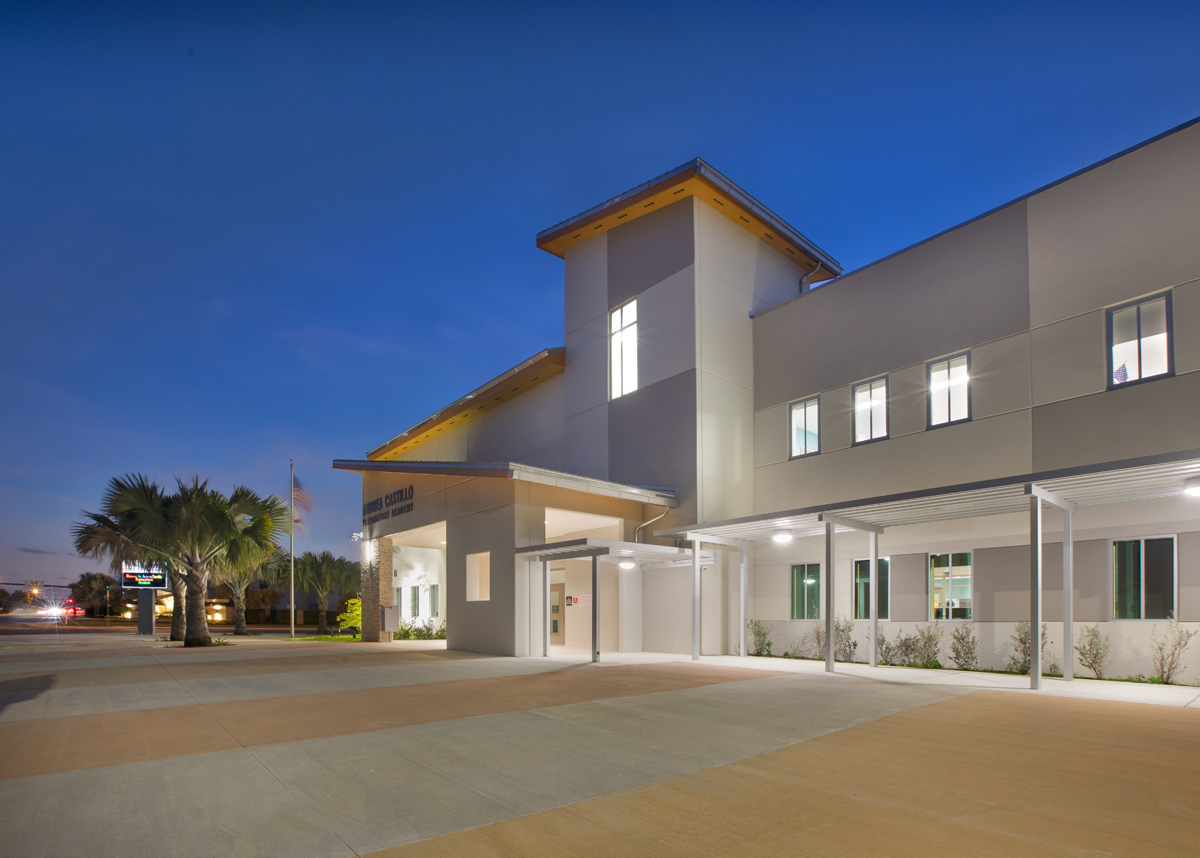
[234, 233]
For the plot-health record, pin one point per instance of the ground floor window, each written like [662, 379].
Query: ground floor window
[1144, 578]
[479, 577]
[862, 588]
[433, 600]
[950, 586]
[415, 602]
[806, 591]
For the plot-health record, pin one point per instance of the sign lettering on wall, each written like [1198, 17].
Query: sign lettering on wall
[388, 506]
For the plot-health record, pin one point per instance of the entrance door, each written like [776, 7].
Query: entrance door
[558, 616]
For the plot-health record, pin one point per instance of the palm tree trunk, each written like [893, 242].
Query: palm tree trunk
[239, 610]
[322, 610]
[196, 633]
[179, 598]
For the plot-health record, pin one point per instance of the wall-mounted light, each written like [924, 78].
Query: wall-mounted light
[368, 551]
[627, 564]
[1192, 487]
[783, 537]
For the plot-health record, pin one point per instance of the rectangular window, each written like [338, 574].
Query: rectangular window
[622, 350]
[1144, 579]
[1139, 341]
[950, 586]
[479, 577]
[949, 391]
[806, 430]
[414, 602]
[862, 588]
[433, 600]
[870, 410]
[806, 591]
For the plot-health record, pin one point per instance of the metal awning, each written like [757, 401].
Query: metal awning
[658, 495]
[646, 556]
[1115, 482]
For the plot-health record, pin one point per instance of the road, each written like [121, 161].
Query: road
[31, 624]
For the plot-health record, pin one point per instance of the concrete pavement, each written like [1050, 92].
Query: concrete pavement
[131, 747]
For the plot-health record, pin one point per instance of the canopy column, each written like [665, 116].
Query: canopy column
[873, 538]
[546, 608]
[695, 600]
[1035, 592]
[829, 601]
[742, 606]
[595, 609]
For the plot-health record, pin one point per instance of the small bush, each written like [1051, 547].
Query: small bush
[762, 637]
[1167, 654]
[415, 630]
[1018, 661]
[1093, 650]
[928, 645]
[352, 617]
[885, 650]
[843, 636]
[964, 647]
[816, 640]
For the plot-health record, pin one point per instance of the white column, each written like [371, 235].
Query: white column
[1068, 596]
[695, 600]
[742, 608]
[546, 608]
[873, 538]
[829, 625]
[1035, 592]
[595, 609]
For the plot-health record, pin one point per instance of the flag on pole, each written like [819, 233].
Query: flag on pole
[300, 499]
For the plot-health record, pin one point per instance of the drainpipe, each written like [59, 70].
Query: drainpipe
[806, 280]
[666, 509]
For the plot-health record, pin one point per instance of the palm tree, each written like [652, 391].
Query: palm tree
[322, 573]
[192, 530]
[237, 578]
[93, 590]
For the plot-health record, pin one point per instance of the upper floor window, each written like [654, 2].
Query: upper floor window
[870, 410]
[806, 431]
[1139, 340]
[949, 390]
[622, 350]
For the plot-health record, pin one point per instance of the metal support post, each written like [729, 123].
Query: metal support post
[873, 539]
[742, 607]
[829, 625]
[1068, 595]
[546, 608]
[595, 610]
[1035, 592]
[695, 600]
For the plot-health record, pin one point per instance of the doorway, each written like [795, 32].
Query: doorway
[558, 617]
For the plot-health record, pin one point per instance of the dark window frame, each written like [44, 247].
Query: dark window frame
[929, 424]
[854, 588]
[887, 410]
[792, 608]
[1108, 338]
[1141, 592]
[792, 454]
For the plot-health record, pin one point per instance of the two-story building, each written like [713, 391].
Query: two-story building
[1009, 404]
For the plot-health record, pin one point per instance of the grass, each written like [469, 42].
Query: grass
[327, 638]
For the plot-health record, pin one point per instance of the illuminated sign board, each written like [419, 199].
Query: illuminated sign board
[135, 576]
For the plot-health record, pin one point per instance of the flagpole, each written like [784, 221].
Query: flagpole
[292, 537]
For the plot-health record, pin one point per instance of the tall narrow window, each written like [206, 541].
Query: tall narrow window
[1139, 340]
[949, 391]
[433, 600]
[862, 588]
[806, 591]
[950, 586]
[806, 430]
[870, 410]
[622, 349]
[479, 577]
[415, 602]
[1144, 579]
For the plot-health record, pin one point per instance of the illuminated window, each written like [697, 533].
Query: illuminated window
[622, 350]
[479, 577]
[862, 588]
[950, 586]
[806, 431]
[870, 410]
[949, 391]
[433, 600]
[806, 591]
[1144, 579]
[414, 602]
[1139, 340]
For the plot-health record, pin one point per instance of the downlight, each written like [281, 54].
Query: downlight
[627, 564]
[782, 537]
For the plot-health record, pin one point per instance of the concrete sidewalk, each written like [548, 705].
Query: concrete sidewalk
[132, 747]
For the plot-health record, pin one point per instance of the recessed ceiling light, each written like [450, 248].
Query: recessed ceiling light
[783, 537]
[627, 564]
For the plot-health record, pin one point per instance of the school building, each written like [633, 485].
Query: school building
[999, 423]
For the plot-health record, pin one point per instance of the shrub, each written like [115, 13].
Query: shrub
[927, 645]
[1018, 661]
[415, 630]
[1167, 654]
[352, 616]
[885, 650]
[762, 637]
[1093, 650]
[964, 647]
[843, 636]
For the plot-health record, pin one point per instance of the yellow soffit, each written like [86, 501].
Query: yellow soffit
[685, 184]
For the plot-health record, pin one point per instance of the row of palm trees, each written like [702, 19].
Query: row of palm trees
[196, 535]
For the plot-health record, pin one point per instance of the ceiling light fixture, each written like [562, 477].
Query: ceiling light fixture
[782, 537]
[627, 564]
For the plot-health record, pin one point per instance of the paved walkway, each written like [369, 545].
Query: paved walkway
[120, 746]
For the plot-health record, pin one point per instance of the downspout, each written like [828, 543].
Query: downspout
[806, 280]
[638, 529]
